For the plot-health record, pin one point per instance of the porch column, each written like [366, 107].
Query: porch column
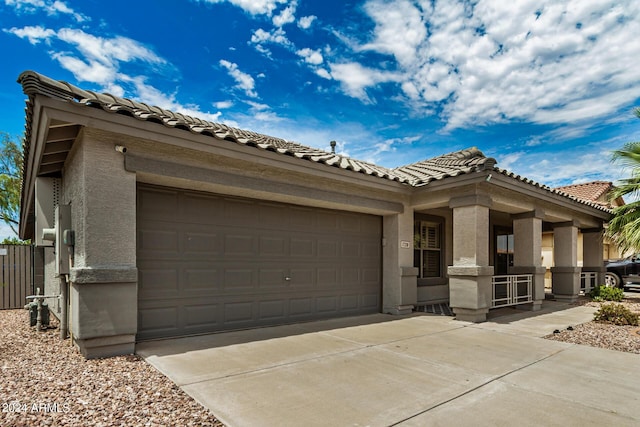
[470, 275]
[592, 253]
[566, 273]
[399, 276]
[527, 256]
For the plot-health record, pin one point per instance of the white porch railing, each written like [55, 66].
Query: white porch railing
[588, 281]
[511, 290]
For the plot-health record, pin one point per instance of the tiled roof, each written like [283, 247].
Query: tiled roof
[416, 174]
[34, 83]
[589, 191]
[452, 164]
[420, 173]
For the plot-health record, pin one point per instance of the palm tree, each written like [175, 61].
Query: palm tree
[624, 227]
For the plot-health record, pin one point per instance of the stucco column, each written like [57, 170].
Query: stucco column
[592, 253]
[566, 273]
[470, 275]
[103, 294]
[527, 258]
[399, 277]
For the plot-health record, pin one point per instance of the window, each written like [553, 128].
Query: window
[427, 244]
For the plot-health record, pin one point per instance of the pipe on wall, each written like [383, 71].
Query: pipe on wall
[64, 296]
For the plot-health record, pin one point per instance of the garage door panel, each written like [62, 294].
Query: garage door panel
[199, 209]
[350, 223]
[273, 246]
[239, 210]
[327, 304]
[328, 276]
[349, 302]
[201, 279]
[239, 245]
[158, 240]
[272, 278]
[302, 277]
[300, 306]
[158, 204]
[210, 263]
[158, 319]
[201, 316]
[371, 301]
[301, 248]
[239, 278]
[238, 312]
[328, 249]
[157, 280]
[272, 309]
[272, 217]
[327, 221]
[302, 219]
[202, 243]
[350, 249]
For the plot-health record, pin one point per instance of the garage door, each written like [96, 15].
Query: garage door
[210, 263]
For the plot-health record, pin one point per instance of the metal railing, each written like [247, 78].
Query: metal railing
[588, 281]
[511, 290]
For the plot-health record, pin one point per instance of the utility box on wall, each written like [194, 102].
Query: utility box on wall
[53, 222]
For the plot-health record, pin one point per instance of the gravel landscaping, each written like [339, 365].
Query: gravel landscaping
[605, 335]
[45, 381]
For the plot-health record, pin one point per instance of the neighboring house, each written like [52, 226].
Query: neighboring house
[174, 226]
[597, 192]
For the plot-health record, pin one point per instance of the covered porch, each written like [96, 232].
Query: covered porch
[477, 244]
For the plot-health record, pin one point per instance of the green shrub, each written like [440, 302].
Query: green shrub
[605, 293]
[617, 314]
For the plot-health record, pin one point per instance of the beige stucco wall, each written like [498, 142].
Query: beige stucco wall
[103, 297]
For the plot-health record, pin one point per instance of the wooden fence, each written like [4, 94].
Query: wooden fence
[16, 276]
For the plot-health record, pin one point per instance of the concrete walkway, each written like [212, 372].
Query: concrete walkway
[418, 370]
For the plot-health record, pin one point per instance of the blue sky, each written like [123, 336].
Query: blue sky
[546, 87]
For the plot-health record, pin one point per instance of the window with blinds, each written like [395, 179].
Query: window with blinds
[428, 248]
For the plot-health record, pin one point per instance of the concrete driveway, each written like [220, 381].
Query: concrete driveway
[418, 370]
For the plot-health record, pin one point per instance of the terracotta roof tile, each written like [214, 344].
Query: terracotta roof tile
[591, 191]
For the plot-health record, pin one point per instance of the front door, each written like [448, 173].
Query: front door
[504, 251]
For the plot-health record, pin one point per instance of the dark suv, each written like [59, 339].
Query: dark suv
[620, 273]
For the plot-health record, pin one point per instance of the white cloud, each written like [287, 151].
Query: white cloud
[50, 8]
[257, 106]
[286, 16]
[108, 50]
[490, 61]
[254, 7]
[243, 80]
[509, 160]
[34, 34]
[90, 71]
[276, 36]
[310, 56]
[323, 73]
[223, 105]
[355, 79]
[100, 58]
[306, 21]
[399, 31]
